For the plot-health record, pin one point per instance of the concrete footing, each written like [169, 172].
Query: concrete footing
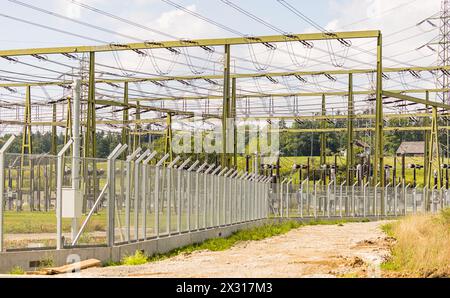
[30, 260]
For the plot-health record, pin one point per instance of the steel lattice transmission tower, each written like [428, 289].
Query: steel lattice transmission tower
[443, 78]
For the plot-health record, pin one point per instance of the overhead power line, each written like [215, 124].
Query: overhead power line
[197, 15]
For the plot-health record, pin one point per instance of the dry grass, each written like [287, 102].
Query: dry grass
[422, 247]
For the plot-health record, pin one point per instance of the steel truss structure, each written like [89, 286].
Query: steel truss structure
[230, 99]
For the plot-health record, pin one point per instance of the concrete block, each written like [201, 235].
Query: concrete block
[170, 243]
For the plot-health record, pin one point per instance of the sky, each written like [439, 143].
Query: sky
[396, 19]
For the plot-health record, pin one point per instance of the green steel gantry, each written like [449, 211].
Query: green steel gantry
[229, 97]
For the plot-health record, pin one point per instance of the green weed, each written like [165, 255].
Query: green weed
[138, 258]
[16, 270]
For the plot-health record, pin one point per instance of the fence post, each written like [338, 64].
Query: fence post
[287, 197]
[425, 199]
[375, 207]
[353, 199]
[226, 194]
[157, 191]
[220, 192]
[446, 198]
[188, 191]
[254, 196]
[197, 194]
[386, 199]
[111, 172]
[415, 199]
[215, 192]
[260, 195]
[396, 198]
[268, 189]
[205, 194]
[340, 197]
[243, 195]
[328, 198]
[301, 197]
[144, 192]
[180, 193]
[280, 205]
[315, 197]
[137, 191]
[169, 193]
[232, 195]
[237, 196]
[248, 197]
[59, 183]
[263, 197]
[365, 199]
[129, 160]
[434, 201]
[405, 193]
[308, 199]
[267, 197]
[2, 186]
[240, 196]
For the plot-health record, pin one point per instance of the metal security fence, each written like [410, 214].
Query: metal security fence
[111, 201]
[315, 199]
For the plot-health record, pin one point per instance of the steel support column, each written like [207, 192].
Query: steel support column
[125, 118]
[90, 142]
[323, 143]
[378, 171]
[350, 133]
[27, 147]
[323, 137]
[168, 141]
[234, 114]
[426, 160]
[137, 127]
[433, 149]
[225, 103]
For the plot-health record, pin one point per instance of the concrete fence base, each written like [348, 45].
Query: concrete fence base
[30, 260]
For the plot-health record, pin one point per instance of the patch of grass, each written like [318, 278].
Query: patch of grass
[26, 222]
[445, 216]
[138, 258]
[110, 263]
[220, 244]
[17, 270]
[422, 247]
[390, 266]
[46, 262]
[388, 229]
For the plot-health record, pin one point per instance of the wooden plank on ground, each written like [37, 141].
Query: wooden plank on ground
[67, 268]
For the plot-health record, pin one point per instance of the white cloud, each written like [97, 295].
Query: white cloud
[176, 22]
[388, 16]
[73, 10]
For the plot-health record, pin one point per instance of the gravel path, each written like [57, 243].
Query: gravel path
[352, 249]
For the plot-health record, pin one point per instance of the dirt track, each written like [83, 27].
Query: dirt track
[352, 249]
